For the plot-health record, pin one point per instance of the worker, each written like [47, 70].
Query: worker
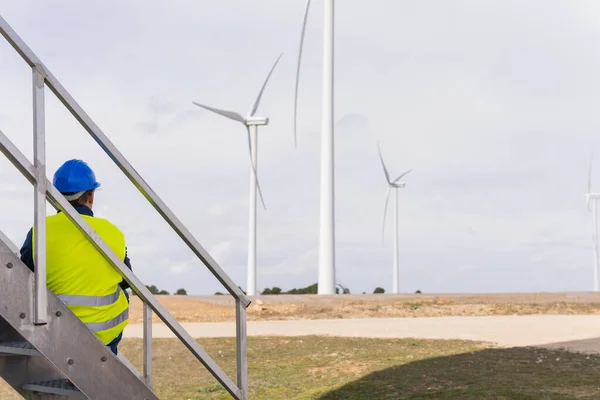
[75, 271]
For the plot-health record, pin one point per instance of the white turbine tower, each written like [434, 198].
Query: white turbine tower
[592, 200]
[327, 214]
[251, 122]
[395, 185]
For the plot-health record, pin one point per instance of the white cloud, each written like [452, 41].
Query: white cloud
[221, 251]
[181, 267]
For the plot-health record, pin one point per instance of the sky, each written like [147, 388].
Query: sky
[492, 104]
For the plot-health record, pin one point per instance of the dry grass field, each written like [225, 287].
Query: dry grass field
[291, 307]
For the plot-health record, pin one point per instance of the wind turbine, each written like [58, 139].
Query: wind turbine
[395, 185]
[592, 200]
[251, 122]
[327, 214]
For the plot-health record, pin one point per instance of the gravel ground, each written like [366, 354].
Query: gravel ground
[573, 332]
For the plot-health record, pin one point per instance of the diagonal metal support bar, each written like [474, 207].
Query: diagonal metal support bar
[58, 200]
[9, 243]
[54, 85]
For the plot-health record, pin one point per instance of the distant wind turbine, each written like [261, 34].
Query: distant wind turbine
[395, 185]
[327, 214]
[592, 200]
[251, 122]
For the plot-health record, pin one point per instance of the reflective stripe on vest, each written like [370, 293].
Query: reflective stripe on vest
[111, 323]
[91, 301]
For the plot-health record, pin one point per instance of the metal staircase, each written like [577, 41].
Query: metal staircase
[37, 360]
[46, 352]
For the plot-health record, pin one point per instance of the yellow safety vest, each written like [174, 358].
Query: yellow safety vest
[82, 279]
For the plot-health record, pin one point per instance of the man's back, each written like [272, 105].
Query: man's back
[80, 276]
[73, 262]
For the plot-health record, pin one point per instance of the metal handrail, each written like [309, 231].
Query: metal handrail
[4, 239]
[36, 175]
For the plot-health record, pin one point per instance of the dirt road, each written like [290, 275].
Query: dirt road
[575, 332]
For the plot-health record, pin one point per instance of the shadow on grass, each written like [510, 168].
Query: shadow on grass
[590, 345]
[515, 373]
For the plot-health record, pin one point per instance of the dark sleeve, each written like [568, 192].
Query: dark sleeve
[124, 285]
[27, 251]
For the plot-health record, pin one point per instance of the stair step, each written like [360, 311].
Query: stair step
[18, 348]
[61, 387]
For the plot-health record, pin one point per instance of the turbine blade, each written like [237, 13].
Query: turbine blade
[254, 169]
[262, 89]
[387, 200]
[402, 176]
[385, 171]
[228, 114]
[306, 9]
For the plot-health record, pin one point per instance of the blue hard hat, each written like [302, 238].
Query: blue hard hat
[75, 176]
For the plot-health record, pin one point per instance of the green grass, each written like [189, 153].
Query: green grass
[328, 368]
[341, 368]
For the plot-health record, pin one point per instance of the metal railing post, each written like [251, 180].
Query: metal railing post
[39, 231]
[148, 345]
[241, 349]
